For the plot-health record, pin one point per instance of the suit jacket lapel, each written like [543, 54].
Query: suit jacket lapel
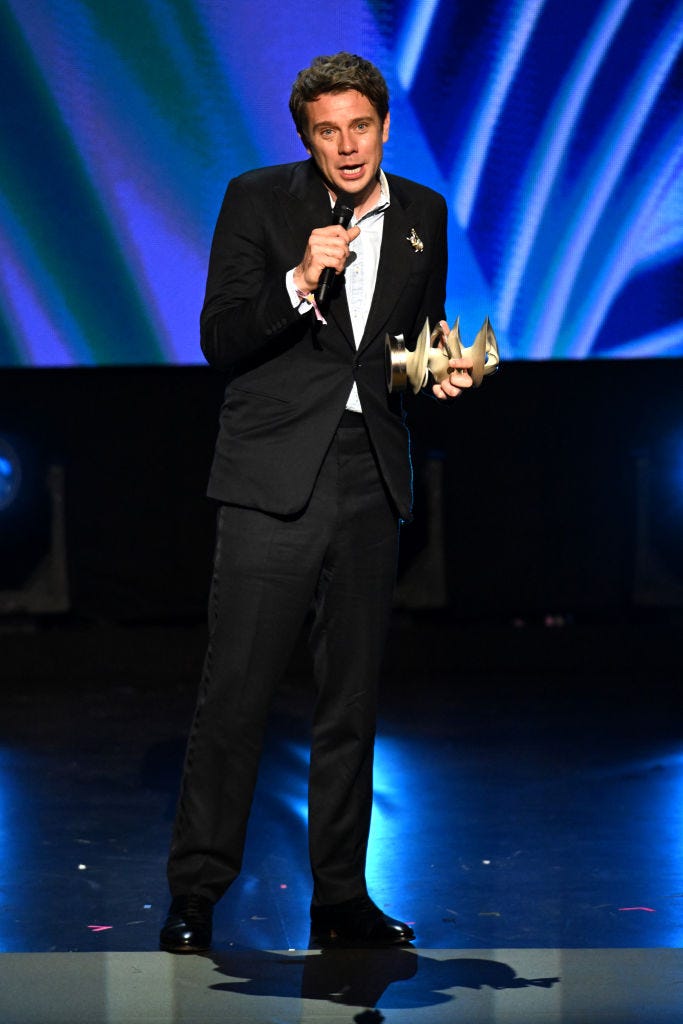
[307, 206]
[394, 267]
[305, 203]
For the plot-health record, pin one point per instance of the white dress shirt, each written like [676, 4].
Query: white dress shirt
[360, 274]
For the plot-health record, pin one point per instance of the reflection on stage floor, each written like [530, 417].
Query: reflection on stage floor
[529, 796]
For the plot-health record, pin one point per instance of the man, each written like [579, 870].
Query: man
[312, 475]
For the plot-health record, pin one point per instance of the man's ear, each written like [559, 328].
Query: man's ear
[385, 127]
[305, 143]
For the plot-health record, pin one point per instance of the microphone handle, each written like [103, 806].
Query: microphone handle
[341, 214]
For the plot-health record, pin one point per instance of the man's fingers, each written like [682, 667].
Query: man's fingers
[453, 385]
[327, 247]
[461, 362]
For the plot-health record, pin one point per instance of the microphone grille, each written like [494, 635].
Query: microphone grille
[344, 207]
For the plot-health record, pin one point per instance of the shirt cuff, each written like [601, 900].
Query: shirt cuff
[305, 302]
[303, 307]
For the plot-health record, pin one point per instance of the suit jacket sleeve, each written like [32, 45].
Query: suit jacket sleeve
[246, 304]
[433, 304]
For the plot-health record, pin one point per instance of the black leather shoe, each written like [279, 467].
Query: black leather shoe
[358, 922]
[187, 928]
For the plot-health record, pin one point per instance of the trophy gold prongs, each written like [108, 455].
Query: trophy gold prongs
[404, 367]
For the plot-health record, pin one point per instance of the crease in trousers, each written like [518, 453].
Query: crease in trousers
[337, 558]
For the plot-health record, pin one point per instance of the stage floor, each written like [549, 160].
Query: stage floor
[528, 820]
[426, 986]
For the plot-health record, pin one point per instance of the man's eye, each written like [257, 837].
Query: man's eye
[326, 133]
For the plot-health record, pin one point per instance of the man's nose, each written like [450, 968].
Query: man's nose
[347, 143]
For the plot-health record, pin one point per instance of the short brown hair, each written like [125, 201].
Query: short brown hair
[337, 73]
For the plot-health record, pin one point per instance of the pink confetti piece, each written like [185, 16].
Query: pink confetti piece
[100, 927]
[648, 910]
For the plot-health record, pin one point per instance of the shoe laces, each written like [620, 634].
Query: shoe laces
[195, 906]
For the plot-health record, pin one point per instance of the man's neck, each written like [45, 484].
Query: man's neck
[366, 202]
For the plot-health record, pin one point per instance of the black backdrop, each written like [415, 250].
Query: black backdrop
[541, 502]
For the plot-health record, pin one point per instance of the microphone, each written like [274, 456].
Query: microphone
[341, 214]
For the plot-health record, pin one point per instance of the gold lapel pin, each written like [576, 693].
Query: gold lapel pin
[415, 241]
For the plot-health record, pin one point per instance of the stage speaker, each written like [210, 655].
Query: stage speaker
[33, 566]
[658, 581]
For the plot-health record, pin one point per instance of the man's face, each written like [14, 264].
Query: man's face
[345, 138]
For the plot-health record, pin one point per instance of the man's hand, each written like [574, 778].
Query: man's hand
[327, 247]
[459, 379]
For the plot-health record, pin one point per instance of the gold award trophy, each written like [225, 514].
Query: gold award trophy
[404, 367]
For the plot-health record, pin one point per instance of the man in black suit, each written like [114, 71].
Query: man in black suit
[312, 475]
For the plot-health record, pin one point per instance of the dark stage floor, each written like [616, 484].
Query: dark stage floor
[529, 790]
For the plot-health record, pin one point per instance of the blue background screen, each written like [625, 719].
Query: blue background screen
[554, 130]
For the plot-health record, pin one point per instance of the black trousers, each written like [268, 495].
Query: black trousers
[337, 557]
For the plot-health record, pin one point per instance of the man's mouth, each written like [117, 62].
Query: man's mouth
[351, 172]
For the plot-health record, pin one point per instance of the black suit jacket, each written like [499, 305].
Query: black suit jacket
[289, 376]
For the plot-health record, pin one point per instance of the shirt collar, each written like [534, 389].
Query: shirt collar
[382, 203]
[384, 198]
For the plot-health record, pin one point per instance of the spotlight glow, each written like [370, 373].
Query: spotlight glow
[10, 474]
